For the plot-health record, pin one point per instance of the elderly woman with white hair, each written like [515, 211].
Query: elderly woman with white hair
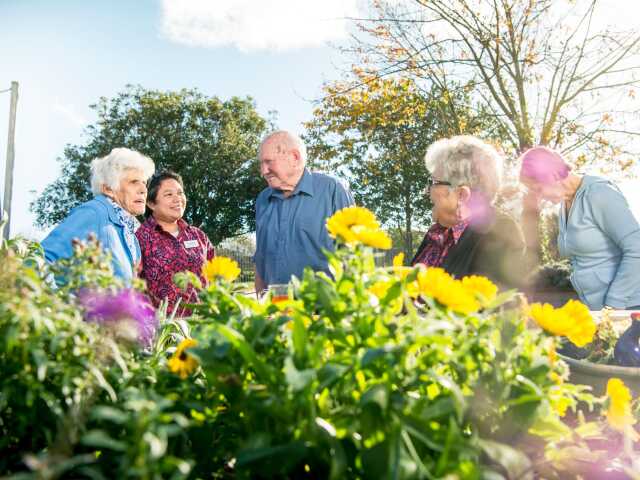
[119, 183]
[469, 236]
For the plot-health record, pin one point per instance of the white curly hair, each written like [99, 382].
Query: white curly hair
[108, 170]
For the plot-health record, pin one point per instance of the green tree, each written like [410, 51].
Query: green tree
[211, 143]
[551, 71]
[376, 131]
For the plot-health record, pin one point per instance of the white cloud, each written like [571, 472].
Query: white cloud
[256, 24]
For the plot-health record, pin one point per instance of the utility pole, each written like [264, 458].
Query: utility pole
[11, 153]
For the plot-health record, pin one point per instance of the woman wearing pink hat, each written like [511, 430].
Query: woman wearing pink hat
[597, 230]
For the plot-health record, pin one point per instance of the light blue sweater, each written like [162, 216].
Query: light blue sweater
[99, 217]
[601, 237]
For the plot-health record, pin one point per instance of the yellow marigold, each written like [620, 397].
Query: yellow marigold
[181, 362]
[358, 225]
[438, 284]
[380, 289]
[482, 286]
[222, 267]
[398, 266]
[554, 321]
[619, 413]
[373, 238]
[349, 217]
[572, 321]
[582, 327]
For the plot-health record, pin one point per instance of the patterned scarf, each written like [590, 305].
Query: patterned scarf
[131, 224]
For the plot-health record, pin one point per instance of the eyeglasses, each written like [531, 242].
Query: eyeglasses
[433, 183]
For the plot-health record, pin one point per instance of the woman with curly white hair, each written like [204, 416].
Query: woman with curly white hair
[119, 185]
[469, 236]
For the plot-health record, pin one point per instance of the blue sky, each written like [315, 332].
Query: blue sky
[67, 53]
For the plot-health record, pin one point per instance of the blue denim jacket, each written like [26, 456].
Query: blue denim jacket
[601, 237]
[97, 216]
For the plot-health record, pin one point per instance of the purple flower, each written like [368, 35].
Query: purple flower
[124, 308]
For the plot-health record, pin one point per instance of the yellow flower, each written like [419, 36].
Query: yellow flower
[181, 362]
[572, 321]
[350, 217]
[399, 268]
[552, 355]
[373, 238]
[357, 225]
[222, 267]
[582, 327]
[380, 289]
[619, 413]
[481, 286]
[552, 320]
[438, 284]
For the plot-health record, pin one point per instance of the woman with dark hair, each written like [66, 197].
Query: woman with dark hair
[597, 230]
[169, 244]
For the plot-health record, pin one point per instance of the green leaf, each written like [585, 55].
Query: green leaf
[297, 379]
[237, 340]
[110, 414]
[101, 439]
[338, 457]
[373, 354]
[516, 464]
[377, 395]
[299, 337]
[331, 373]
[272, 460]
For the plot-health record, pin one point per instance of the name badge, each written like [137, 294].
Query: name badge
[190, 243]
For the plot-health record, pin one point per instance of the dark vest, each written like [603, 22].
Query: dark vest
[495, 249]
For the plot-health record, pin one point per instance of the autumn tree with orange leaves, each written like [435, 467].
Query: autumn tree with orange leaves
[552, 71]
[375, 131]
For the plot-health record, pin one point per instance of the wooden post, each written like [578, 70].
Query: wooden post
[8, 176]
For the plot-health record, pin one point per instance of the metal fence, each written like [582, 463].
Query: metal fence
[383, 259]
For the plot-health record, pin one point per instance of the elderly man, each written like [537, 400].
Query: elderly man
[291, 212]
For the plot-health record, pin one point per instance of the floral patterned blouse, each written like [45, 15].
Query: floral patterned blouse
[164, 255]
[439, 240]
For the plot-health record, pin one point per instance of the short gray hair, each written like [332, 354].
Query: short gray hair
[286, 140]
[466, 160]
[108, 170]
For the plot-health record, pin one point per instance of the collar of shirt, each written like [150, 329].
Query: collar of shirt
[439, 233]
[305, 185]
[151, 221]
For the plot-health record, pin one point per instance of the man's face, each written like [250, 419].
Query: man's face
[279, 165]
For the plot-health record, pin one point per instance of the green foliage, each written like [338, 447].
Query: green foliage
[211, 143]
[339, 383]
[53, 364]
[376, 132]
[363, 375]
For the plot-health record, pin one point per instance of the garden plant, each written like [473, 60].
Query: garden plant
[371, 372]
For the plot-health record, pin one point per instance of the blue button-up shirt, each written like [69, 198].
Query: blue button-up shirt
[601, 237]
[291, 231]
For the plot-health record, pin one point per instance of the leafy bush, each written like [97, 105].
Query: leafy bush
[372, 373]
[52, 362]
